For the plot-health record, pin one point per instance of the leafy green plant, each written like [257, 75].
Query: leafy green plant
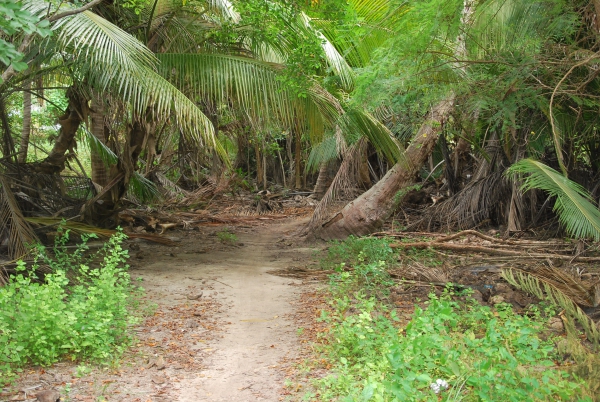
[483, 354]
[355, 250]
[74, 312]
[574, 205]
[225, 236]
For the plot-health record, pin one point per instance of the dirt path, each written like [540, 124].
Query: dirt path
[222, 329]
[256, 333]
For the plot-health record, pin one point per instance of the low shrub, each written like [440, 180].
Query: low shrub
[74, 312]
[475, 352]
[355, 250]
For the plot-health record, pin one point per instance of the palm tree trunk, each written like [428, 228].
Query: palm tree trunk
[76, 112]
[26, 130]
[99, 130]
[298, 159]
[327, 172]
[368, 212]
[259, 165]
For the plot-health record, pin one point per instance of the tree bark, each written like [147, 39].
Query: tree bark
[259, 165]
[100, 131]
[76, 112]
[368, 212]
[298, 159]
[26, 129]
[327, 172]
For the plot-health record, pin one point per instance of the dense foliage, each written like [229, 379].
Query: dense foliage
[450, 348]
[76, 311]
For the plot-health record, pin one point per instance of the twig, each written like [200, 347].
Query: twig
[223, 283]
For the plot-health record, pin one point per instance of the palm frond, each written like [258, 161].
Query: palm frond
[19, 234]
[574, 206]
[107, 156]
[322, 152]
[252, 86]
[225, 8]
[336, 62]
[89, 36]
[503, 25]
[143, 189]
[344, 183]
[82, 228]
[110, 59]
[360, 121]
[544, 287]
[250, 83]
[377, 21]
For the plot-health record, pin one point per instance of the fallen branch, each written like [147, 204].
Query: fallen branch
[487, 250]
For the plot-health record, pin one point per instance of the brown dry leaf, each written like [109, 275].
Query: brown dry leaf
[160, 363]
[17, 397]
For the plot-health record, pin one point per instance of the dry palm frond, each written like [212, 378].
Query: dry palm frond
[82, 228]
[423, 273]
[343, 183]
[478, 201]
[19, 233]
[169, 189]
[554, 285]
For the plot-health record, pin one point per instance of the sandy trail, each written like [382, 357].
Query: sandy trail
[243, 364]
[230, 344]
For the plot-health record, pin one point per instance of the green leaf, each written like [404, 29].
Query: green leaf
[424, 378]
[574, 205]
[19, 65]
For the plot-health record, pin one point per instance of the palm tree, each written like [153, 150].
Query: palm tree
[513, 99]
[165, 83]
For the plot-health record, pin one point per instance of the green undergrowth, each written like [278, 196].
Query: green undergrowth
[75, 312]
[355, 250]
[476, 353]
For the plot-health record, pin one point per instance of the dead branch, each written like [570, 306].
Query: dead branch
[487, 250]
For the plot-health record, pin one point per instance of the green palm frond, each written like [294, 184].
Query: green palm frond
[544, 289]
[89, 36]
[107, 156]
[377, 22]
[112, 60]
[251, 83]
[505, 25]
[225, 8]
[322, 152]
[143, 189]
[574, 206]
[336, 62]
[360, 121]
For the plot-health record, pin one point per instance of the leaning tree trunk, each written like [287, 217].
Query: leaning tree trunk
[368, 212]
[26, 130]
[69, 122]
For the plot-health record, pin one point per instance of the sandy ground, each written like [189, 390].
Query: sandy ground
[222, 330]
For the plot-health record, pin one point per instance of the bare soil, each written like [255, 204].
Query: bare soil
[222, 328]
